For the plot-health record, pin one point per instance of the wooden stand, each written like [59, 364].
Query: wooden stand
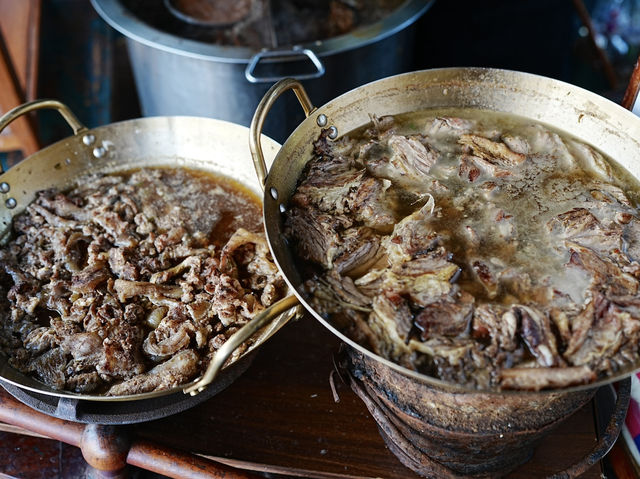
[279, 417]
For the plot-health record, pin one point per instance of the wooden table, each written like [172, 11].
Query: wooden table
[280, 417]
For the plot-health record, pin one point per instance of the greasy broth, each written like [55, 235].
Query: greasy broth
[543, 186]
[214, 206]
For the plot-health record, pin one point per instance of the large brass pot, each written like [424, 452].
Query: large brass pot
[589, 117]
[204, 144]
[396, 389]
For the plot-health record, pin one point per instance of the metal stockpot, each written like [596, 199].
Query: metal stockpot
[204, 144]
[178, 76]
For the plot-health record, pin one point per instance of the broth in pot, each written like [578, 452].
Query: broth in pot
[479, 248]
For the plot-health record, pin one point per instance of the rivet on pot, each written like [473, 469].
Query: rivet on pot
[333, 132]
[88, 139]
[274, 193]
[11, 203]
[99, 152]
[4, 187]
[283, 208]
[322, 120]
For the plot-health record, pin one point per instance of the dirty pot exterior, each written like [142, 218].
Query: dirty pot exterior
[443, 433]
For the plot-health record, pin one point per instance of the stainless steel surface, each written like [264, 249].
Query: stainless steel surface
[589, 117]
[198, 143]
[177, 76]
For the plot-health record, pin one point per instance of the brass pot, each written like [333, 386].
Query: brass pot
[588, 117]
[421, 412]
[204, 144]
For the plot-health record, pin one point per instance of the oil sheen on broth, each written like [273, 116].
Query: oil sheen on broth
[128, 283]
[208, 203]
[541, 188]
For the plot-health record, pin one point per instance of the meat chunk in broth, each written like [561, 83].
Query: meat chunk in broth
[495, 253]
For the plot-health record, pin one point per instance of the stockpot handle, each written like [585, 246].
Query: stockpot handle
[261, 113]
[283, 55]
[276, 315]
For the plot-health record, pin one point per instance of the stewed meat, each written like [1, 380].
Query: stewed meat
[129, 283]
[511, 262]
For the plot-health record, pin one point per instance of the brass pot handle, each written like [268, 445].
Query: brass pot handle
[261, 113]
[25, 108]
[275, 315]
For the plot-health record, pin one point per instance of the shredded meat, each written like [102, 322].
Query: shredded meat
[177, 370]
[512, 260]
[495, 153]
[120, 285]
